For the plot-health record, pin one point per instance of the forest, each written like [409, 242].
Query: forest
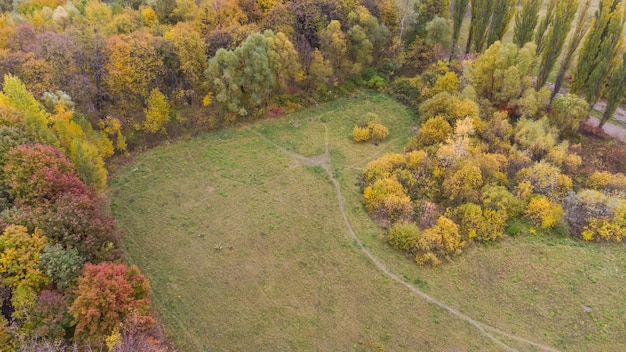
[499, 89]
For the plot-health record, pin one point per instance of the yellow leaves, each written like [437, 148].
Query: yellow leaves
[449, 82]
[19, 257]
[441, 240]
[360, 134]
[375, 132]
[149, 17]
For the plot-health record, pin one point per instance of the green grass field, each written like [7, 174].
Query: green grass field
[247, 250]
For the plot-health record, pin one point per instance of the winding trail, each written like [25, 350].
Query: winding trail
[323, 160]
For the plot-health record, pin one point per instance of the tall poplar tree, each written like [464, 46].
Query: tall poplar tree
[555, 38]
[616, 92]
[543, 26]
[582, 26]
[459, 11]
[597, 56]
[501, 15]
[526, 21]
[481, 14]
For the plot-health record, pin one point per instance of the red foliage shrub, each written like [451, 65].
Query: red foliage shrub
[108, 295]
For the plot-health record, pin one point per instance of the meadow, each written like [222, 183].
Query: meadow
[241, 235]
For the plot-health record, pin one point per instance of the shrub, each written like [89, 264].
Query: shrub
[535, 136]
[602, 180]
[449, 82]
[382, 167]
[440, 241]
[480, 224]
[435, 130]
[567, 112]
[376, 82]
[544, 177]
[450, 107]
[378, 132]
[61, 265]
[403, 236]
[543, 213]
[589, 213]
[463, 186]
[387, 200]
[106, 295]
[361, 134]
[500, 199]
[25, 161]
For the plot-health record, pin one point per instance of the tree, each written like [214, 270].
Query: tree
[242, 79]
[568, 110]
[555, 38]
[479, 24]
[106, 295]
[157, 112]
[191, 52]
[284, 60]
[502, 13]
[616, 91]
[439, 34]
[526, 21]
[458, 14]
[582, 26]
[597, 56]
[61, 265]
[542, 29]
[333, 44]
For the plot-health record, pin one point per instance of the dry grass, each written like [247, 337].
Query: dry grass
[246, 250]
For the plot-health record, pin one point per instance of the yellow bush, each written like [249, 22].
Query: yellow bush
[377, 131]
[361, 134]
[603, 180]
[481, 224]
[387, 200]
[448, 82]
[442, 240]
[464, 185]
[433, 131]
[543, 213]
[382, 167]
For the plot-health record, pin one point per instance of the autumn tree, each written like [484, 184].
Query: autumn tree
[19, 266]
[555, 38]
[106, 295]
[526, 21]
[191, 52]
[284, 60]
[157, 112]
[581, 28]
[596, 57]
[334, 45]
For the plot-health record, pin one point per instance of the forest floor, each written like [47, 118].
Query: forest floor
[254, 238]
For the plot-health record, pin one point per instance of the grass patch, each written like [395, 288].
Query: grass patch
[246, 250]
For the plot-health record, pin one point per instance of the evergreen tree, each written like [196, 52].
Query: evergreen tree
[582, 26]
[501, 15]
[543, 26]
[597, 56]
[459, 11]
[555, 38]
[526, 21]
[616, 92]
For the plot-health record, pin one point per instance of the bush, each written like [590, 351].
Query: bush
[535, 136]
[387, 200]
[567, 112]
[433, 131]
[403, 236]
[361, 134]
[440, 241]
[543, 213]
[602, 180]
[500, 199]
[61, 265]
[463, 186]
[589, 213]
[543, 176]
[378, 132]
[376, 82]
[480, 224]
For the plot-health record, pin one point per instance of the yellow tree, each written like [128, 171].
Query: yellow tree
[157, 113]
[191, 52]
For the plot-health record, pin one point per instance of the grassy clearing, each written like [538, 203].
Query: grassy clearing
[246, 250]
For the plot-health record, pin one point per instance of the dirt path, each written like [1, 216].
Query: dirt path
[488, 331]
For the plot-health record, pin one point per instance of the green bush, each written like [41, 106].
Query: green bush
[404, 236]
